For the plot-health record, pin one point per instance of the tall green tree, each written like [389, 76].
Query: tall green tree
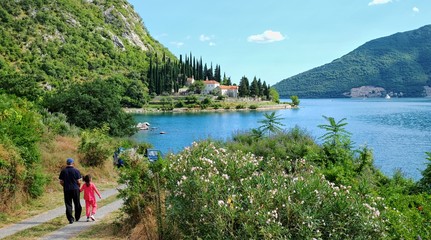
[254, 88]
[244, 87]
[265, 88]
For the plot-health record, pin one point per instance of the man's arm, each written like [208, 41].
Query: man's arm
[62, 182]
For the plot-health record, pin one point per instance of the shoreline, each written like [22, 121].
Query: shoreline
[184, 110]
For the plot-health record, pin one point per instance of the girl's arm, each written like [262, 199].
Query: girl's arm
[82, 188]
[97, 191]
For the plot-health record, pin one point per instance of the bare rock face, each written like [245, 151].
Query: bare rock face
[117, 42]
[129, 24]
[366, 91]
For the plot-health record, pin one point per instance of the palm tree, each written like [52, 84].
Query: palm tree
[271, 123]
[335, 131]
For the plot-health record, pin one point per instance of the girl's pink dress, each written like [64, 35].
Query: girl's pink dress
[90, 198]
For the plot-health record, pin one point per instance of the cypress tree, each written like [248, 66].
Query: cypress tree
[244, 88]
[259, 86]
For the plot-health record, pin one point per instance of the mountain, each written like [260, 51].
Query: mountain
[48, 44]
[398, 65]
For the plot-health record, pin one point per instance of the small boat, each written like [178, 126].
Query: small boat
[387, 96]
[162, 132]
[143, 126]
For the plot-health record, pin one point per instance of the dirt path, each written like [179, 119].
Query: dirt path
[67, 231]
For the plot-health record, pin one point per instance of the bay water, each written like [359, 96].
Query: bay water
[398, 130]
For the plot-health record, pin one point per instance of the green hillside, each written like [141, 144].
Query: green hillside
[398, 65]
[47, 44]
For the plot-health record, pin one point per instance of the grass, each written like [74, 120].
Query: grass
[106, 228]
[54, 153]
[229, 103]
[55, 224]
[52, 199]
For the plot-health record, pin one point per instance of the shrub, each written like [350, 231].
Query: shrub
[57, 124]
[216, 105]
[293, 144]
[220, 194]
[94, 146]
[20, 133]
[180, 104]
[253, 107]
[12, 175]
[240, 106]
[92, 105]
[143, 182]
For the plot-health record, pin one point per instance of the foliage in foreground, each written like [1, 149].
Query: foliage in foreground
[284, 186]
[92, 105]
[218, 194]
[20, 132]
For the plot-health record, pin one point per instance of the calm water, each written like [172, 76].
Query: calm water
[398, 130]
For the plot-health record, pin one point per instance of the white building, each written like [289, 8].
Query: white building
[210, 85]
[230, 91]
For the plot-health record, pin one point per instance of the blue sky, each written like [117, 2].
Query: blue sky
[275, 39]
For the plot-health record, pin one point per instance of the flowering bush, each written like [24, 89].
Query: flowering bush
[220, 194]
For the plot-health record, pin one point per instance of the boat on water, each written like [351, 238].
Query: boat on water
[143, 126]
[387, 96]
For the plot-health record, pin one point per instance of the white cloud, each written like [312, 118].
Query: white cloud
[204, 38]
[415, 9]
[212, 44]
[178, 44]
[266, 37]
[377, 2]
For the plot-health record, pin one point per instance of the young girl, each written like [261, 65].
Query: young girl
[90, 199]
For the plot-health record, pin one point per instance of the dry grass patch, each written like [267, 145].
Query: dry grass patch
[53, 158]
[107, 228]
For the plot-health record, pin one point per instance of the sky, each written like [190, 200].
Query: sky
[275, 39]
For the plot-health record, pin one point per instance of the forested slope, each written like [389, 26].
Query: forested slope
[46, 44]
[400, 64]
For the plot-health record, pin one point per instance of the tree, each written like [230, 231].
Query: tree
[335, 131]
[337, 144]
[273, 95]
[244, 87]
[260, 87]
[295, 100]
[92, 105]
[271, 123]
[197, 87]
[265, 90]
[254, 88]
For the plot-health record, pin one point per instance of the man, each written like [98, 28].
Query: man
[70, 179]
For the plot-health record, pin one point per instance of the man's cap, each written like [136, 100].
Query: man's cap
[69, 161]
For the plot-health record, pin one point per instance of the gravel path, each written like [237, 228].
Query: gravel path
[69, 230]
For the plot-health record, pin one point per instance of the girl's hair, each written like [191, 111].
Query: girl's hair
[87, 179]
